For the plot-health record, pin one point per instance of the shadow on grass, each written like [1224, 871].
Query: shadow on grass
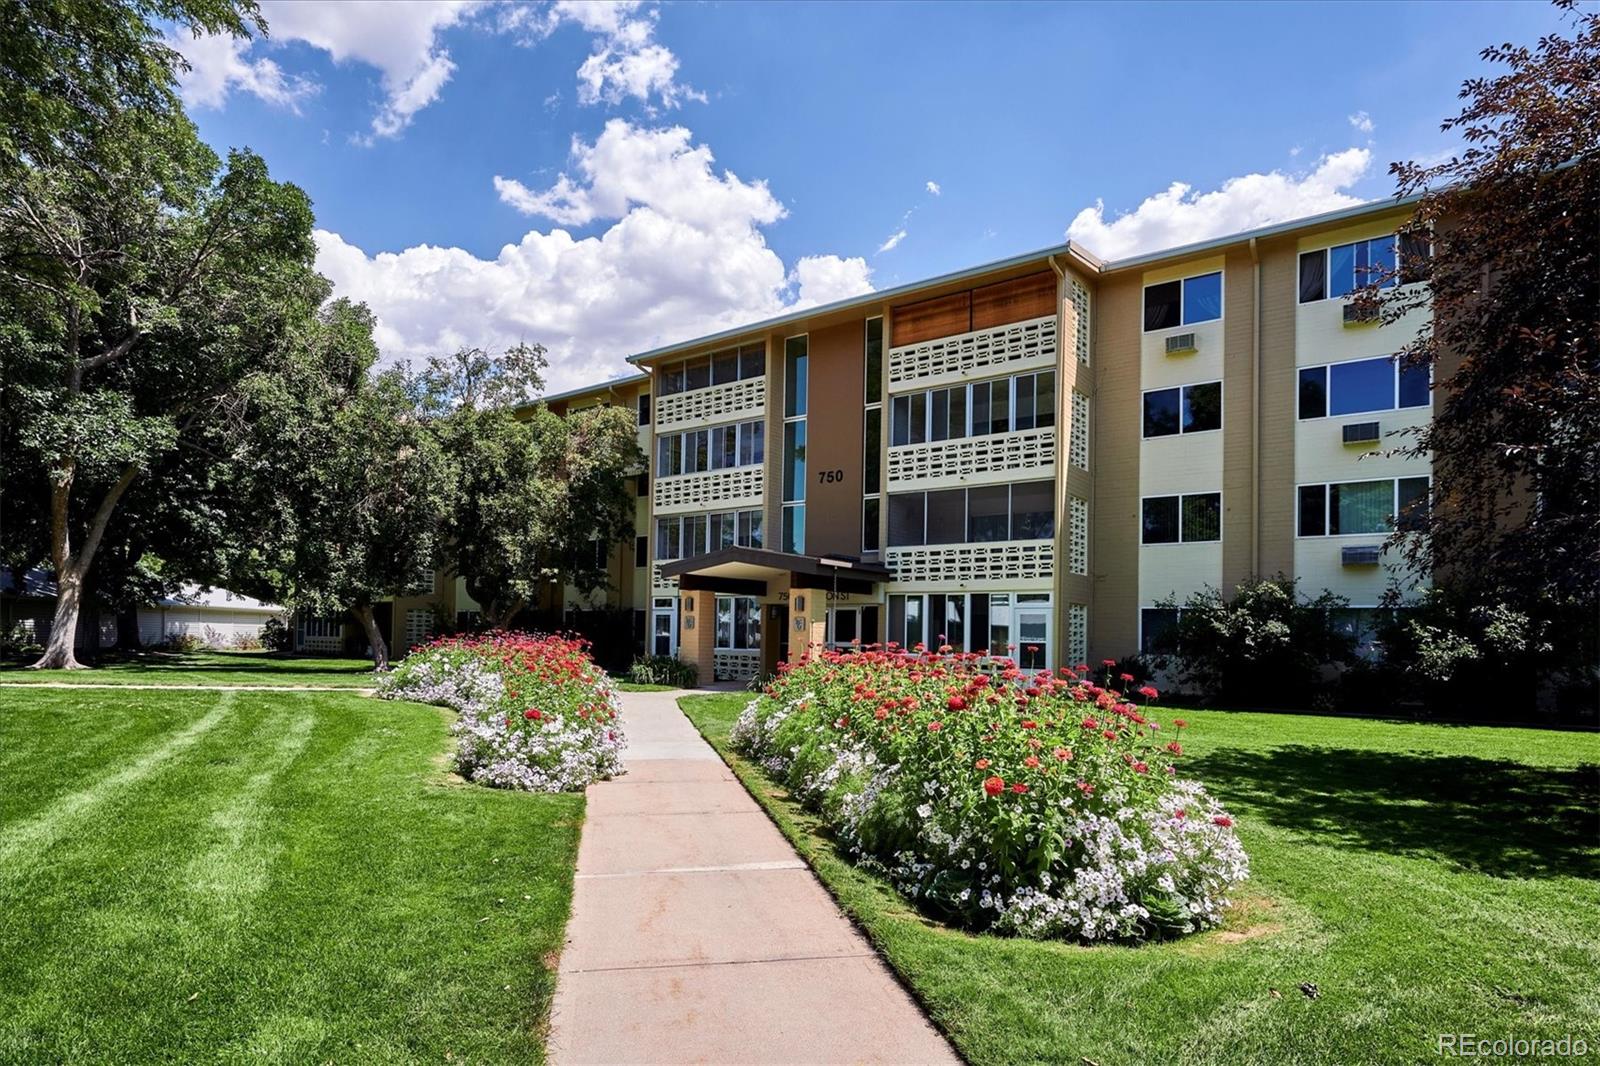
[1500, 818]
[212, 663]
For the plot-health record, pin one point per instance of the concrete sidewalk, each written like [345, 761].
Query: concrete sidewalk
[698, 935]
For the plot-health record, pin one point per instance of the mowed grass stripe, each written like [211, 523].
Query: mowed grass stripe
[305, 884]
[28, 842]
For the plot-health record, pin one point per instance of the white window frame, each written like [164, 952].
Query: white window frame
[1222, 300]
[1327, 389]
[1181, 496]
[1011, 382]
[1327, 251]
[1222, 409]
[1394, 505]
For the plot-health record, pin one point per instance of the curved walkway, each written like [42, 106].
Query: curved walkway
[698, 935]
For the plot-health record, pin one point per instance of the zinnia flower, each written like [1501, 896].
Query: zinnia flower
[1019, 788]
[994, 785]
[981, 764]
[934, 727]
[1223, 820]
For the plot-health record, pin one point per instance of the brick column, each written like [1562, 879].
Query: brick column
[812, 635]
[697, 632]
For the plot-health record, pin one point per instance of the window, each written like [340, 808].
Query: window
[644, 408]
[669, 539]
[641, 551]
[1187, 519]
[738, 621]
[907, 512]
[724, 447]
[717, 448]
[947, 517]
[718, 368]
[873, 392]
[723, 531]
[1033, 511]
[984, 622]
[749, 532]
[1183, 303]
[696, 527]
[1035, 406]
[1362, 385]
[641, 485]
[948, 412]
[1158, 630]
[796, 357]
[1361, 507]
[1189, 409]
[984, 514]
[988, 513]
[869, 524]
[752, 443]
[1338, 271]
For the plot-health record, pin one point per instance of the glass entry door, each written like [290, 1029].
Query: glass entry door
[664, 628]
[846, 625]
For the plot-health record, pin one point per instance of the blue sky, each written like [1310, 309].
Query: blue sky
[602, 178]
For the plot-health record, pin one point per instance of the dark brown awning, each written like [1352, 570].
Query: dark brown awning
[746, 572]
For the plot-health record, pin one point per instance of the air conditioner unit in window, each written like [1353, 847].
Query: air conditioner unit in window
[1361, 555]
[1358, 315]
[1180, 344]
[1361, 433]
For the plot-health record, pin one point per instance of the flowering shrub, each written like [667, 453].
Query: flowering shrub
[536, 712]
[1040, 805]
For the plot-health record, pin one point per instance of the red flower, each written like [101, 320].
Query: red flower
[1223, 820]
[1031, 761]
[533, 714]
[1141, 768]
[994, 785]
[1179, 722]
[1019, 788]
[1064, 754]
[981, 764]
[1175, 748]
[1029, 723]
[934, 727]
[1179, 813]
[1108, 662]
[1149, 692]
[957, 703]
[1090, 723]
[1127, 677]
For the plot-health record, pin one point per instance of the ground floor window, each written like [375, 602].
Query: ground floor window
[847, 625]
[738, 623]
[1002, 624]
[664, 627]
[1158, 630]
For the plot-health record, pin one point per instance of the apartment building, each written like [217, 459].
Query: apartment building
[1031, 456]
[1026, 458]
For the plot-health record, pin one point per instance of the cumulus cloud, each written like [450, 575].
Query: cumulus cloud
[1179, 216]
[1362, 122]
[627, 61]
[683, 254]
[218, 65]
[933, 187]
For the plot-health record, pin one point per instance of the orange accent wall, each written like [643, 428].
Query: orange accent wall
[833, 439]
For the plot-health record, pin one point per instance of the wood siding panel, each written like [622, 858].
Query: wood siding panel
[834, 439]
[1033, 296]
[930, 319]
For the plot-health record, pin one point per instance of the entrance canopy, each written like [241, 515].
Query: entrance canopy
[748, 572]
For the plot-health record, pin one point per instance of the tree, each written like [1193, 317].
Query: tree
[350, 484]
[536, 490]
[1514, 340]
[141, 282]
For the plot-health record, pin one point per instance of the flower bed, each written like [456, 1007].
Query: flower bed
[1045, 806]
[536, 712]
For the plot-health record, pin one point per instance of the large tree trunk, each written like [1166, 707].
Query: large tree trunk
[380, 647]
[59, 650]
[500, 611]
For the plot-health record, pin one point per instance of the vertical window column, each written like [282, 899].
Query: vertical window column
[795, 357]
[872, 438]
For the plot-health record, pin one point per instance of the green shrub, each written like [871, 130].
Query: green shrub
[662, 670]
[275, 635]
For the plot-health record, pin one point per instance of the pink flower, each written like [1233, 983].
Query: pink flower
[1223, 820]
[934, 727]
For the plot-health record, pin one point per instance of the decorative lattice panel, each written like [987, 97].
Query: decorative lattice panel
[975, 459]
[419, 626]
[1078, 535]
[1077, 646]
[716, 490]
[1078, 439]
[1016, 560]
[985, 351]
[729, 665]
[1080, 321]
[662, 585]
[720, 403]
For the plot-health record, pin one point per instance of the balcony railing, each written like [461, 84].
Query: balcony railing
[1012, 347]
[975, 460]
[714, 490]
[719, 403]
[1003, 562]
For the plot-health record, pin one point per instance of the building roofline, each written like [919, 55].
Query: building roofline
[1085, 259]
[588, 390]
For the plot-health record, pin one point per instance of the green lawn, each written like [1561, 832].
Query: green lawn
[281, 877]
[205, 668]
[1426, 879]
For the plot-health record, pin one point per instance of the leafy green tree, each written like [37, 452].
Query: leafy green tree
[350, 484]
[535, 489]
[1513, 335]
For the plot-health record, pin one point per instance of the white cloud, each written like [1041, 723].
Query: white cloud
[684, 255]
[1361, 122]
[933, 187]
[627, 62]
[218, 65]
[893, 242]
[1178, 216]
[401, 41]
